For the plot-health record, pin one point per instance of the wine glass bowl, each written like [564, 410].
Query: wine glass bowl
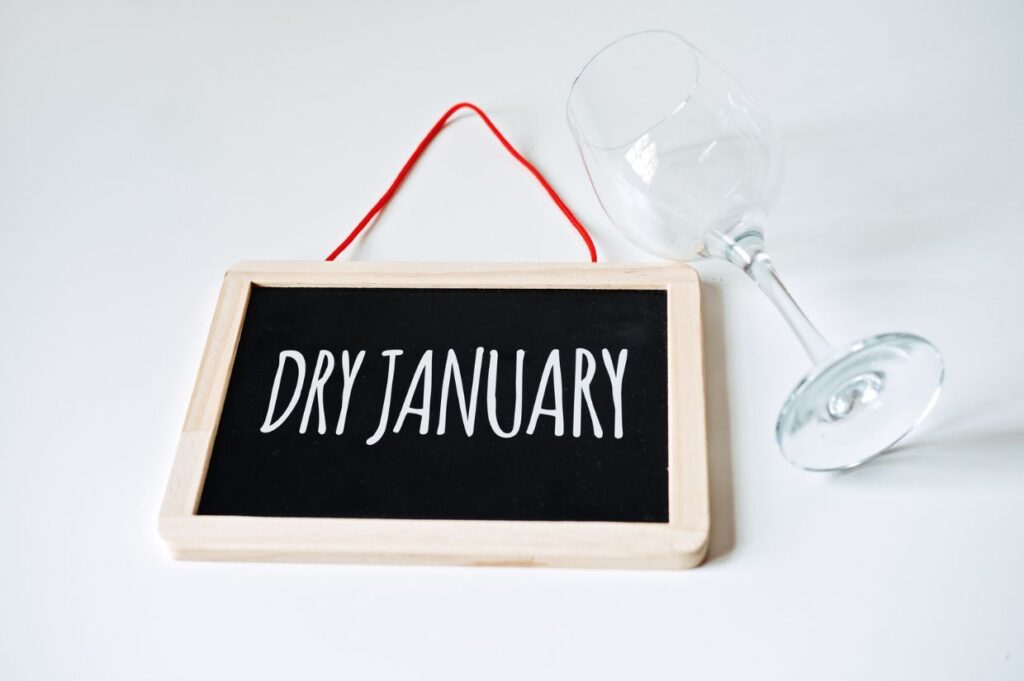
[686, 166]
[676, 152]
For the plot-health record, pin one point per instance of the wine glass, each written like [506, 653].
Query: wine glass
[687, 167]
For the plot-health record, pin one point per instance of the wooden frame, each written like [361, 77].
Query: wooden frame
[680, 543]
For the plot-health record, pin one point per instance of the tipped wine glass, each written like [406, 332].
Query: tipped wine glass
[687, 167]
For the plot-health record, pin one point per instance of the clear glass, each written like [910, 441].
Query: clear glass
[687, 167]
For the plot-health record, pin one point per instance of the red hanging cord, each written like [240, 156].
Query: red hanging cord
[434, 132]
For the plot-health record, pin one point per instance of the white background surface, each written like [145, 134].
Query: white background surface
[146, 147]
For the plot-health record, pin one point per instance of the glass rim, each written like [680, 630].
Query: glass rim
[697, 55]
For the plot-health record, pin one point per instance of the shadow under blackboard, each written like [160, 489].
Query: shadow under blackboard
[723, 531]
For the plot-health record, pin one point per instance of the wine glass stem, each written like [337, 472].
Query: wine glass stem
[749, 254]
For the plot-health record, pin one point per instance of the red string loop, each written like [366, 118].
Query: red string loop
[434, 132]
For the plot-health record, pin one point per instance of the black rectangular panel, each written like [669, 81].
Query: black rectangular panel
[538, 476]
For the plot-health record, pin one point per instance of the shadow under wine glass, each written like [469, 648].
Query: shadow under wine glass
[687, 167]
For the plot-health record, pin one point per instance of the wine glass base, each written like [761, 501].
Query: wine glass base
[860, 401]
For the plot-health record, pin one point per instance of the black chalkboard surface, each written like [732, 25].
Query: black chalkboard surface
[477, 414]
[544, 471]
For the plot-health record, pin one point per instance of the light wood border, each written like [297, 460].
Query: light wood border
[680, 543]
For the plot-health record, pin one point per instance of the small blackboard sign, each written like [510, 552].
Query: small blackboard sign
[481, 414]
